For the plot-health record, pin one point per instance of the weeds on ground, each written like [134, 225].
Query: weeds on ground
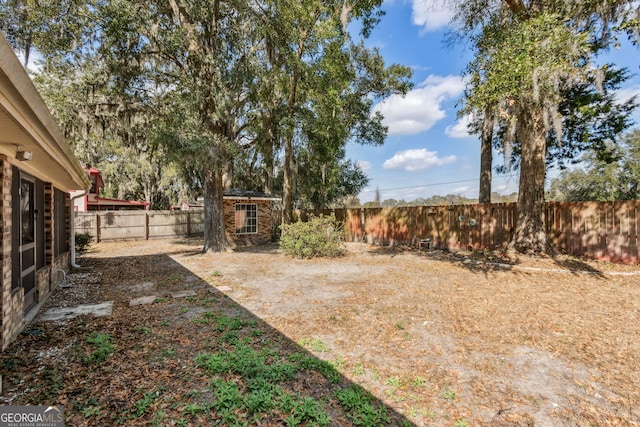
[361, 406]
[102, 345]
[314, 344]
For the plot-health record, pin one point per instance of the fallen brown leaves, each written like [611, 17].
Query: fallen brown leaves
[441, 338]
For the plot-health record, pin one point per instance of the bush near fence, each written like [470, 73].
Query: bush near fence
[599, 230]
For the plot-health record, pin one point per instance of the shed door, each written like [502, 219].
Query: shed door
[28, 242]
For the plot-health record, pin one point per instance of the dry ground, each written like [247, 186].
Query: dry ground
[440, 339]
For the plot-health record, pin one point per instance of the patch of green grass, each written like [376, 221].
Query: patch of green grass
[184, 310]
[307, 411]
[314, 344]
[161, 299]
[53, 381]
[91, 411]
[358, 369]
[326, 369]
[449, 395]
[461, 423]
[338, 363]
[102, 345]
[164, 323]
[144, 329]
[245, 361]
[158, 419]
[419, 382]
[192, 409]
[143, 405]
[259, 394]
[361, 406]
[394, 382]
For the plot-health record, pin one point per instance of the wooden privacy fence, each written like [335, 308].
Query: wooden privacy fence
[132, 225]
[599, 230]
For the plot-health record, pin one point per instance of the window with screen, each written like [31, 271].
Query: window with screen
[246, 218]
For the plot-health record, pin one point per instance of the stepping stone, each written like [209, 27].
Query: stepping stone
[183, 294]
[142, 300]
[57, 313]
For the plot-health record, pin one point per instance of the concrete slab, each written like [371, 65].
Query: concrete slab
[182, 294]
[142, 300]
[57, 313]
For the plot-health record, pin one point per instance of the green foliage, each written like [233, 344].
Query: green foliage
[528, 56]
[616, 178]
[143, 405]
[449, 395]
[362, 407]
[102, 346]
[321, 236]
[82, 242]
[307, 361]
[315, 344]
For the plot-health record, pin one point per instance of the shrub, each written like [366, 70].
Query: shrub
[82, 241]
[319, 237]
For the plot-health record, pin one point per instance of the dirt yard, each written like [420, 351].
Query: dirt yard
[438, 339]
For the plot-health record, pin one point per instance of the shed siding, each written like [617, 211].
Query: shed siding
[265, 230]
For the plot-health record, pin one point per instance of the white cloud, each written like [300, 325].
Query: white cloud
[460, 129]
[416, 160]
[625, 94]
[421, 108]
[431, 15]
[364, 165]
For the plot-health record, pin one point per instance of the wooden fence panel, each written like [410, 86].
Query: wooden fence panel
[168, 223]
[130, 225]
[600, 230]
[87, 222]
[122, 225]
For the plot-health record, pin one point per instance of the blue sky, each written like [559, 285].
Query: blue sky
[428, 151]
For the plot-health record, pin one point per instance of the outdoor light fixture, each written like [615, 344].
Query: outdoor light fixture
[23, 155]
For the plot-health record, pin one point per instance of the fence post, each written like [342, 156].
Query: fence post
[188, 224]
[146, 225]
[97, 227]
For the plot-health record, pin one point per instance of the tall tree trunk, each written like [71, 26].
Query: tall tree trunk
[268, 153]
[287, 199]
[215, 238]
[486, 156]
[530, 235]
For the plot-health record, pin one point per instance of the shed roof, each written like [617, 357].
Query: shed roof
[26, 121]
[246, 194]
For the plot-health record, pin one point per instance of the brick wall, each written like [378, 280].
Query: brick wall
[12, 317]
[264, 223]
[12, 302]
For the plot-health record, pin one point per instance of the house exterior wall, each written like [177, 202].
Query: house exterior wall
[12, 317]
[265, 231]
